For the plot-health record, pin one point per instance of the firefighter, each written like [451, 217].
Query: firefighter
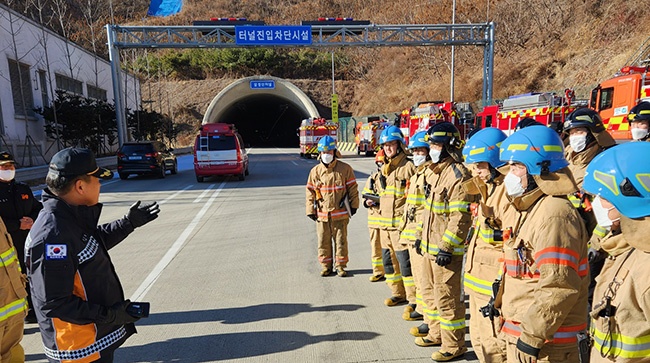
[410, 235]
[445, 222]
[587, 138]
[13, 303]
[332, 198]
[485, 250]
[372, 189]
[639, 119]
[620, 326]
[544, 289]
[394, 176]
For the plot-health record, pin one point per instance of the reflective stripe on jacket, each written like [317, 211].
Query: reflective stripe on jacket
[374, 216]
[446, 218]
[414, 206]
[393, 198]
[333, 182]
[12, 300]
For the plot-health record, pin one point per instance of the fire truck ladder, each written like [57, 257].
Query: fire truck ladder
[224, 36]
[642, 56]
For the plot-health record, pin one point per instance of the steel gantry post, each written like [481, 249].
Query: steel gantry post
[225, 36]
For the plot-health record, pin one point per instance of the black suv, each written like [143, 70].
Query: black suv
[145, 157]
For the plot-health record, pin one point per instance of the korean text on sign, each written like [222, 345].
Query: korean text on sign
[273, 35]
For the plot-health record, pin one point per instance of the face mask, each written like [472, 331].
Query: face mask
[419, 159]
[513, 185]
[7, 175]
[578, 142]
[601, 213]
[435, 155]
[639, 134]
[326, 158]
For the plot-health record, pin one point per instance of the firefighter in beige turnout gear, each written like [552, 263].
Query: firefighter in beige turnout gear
[13, 303]
[445, 223]
[372, 189]
[394, 176]
[485, 249]
[619, 180]
[332, 198]
[544, 289]
[411, 235]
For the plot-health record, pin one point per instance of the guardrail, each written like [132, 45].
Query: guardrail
[109, 162]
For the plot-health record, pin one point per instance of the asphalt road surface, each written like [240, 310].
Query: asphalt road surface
[231, 272]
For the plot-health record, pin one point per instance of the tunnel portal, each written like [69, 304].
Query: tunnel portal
[265, 117]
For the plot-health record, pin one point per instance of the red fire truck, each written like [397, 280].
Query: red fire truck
[423, 115]
[545, 108]
[311, 130]
[614, 98]
[367, 134]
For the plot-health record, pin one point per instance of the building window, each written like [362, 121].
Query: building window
[69, 84]
[42, 78]
[96, 93]
[21, 88]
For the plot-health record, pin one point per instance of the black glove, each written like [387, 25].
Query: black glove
[443, 259]
[141, 214]
[312, 217]
[116, 314]
[418, 246]
[593, 254]
[353, 211]
[525, 353]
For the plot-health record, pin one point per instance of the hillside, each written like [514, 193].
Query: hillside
[541, 46]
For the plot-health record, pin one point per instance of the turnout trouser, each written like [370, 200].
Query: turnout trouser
[488, 344]
[335, 231]
[416, 267]
[397, 265]
[442, 293]
[375, 252]
[11, 333]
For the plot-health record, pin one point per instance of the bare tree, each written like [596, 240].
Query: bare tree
[60, 8]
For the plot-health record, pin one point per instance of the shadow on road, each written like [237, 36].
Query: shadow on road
[241, 315]
[219, 347]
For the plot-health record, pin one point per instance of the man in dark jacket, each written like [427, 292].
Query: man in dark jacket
[77, 295]
[18, 210]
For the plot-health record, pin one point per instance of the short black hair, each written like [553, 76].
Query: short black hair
[61, 185]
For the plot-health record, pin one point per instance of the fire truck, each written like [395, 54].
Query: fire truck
[310, 131]
[546, 108]
[367, 134]
[423, 115]
[614, 98]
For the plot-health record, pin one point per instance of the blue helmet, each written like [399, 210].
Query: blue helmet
[326, 143]
[484, 146]
[418, 140]
[391, 133]
[619, 175]
[540, 149]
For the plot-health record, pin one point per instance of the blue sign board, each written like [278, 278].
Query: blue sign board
[273, 35]
[263, 84]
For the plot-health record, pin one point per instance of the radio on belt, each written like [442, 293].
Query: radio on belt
[138, 309]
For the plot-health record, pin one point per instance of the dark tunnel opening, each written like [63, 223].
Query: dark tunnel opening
[266, 120]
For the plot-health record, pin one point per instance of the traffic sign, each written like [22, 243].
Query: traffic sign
[335, 107]
[273, 35]
[262, 84]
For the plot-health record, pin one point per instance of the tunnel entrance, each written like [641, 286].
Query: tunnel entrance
[266, 110]
[265, 120]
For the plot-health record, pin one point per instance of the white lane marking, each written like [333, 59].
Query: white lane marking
[198, 199]
[294, 163]
[175, 194]
[147, 284]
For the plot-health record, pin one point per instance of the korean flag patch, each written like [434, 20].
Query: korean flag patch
[56, 252]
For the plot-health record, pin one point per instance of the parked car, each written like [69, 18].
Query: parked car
[219, 150]
[145, 157]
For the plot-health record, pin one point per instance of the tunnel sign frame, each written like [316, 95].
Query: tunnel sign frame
[262, 84]
[273, 35]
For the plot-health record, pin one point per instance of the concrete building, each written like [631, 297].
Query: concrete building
[34, 63]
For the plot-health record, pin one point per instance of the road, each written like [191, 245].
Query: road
[231, 273]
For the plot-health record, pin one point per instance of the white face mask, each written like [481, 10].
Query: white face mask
[601, 213]
[7, 175]
[578, 142]
[638, 134]
[513, 185]
[419, 159]
[326, 158]
[435, 155]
